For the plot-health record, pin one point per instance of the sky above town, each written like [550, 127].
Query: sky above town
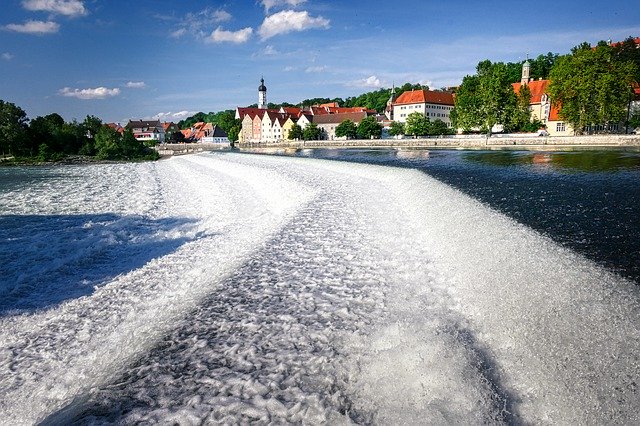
[121, 59]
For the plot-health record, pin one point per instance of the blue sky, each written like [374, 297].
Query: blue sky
[158, 58]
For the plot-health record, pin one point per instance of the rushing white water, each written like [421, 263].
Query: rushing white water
[242, 288]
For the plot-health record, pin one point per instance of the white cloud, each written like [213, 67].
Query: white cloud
[315, 69]
[179, 33]
[270, 50]
[180, 115]
[220, 36]
[221, 16]
[371, 81]
[7, 56]
[289, 69]
[269, 4]
[97, 93]
[34, 27]
[63, 7]
[289, 20]
[136, 85]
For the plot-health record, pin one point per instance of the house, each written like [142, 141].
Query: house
[212, 133]
[169, 129]
[246, 133]
[286, 127]
[304, 120]
[146, 130]
[256, 135]
[328, 122]
[117, 127]
[435, 105]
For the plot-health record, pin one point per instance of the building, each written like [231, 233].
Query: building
[328, 122]
[146, 130]
[435, 105]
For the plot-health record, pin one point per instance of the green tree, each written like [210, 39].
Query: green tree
[439, 127]
[417, 124]
[107, 144]
[369, 128]
[629, 51]
[13, 124]
[397, 128]
[295, 133]
[465, 114]
[312, 132]
[347, 128]
[496, 97]
[592, 86]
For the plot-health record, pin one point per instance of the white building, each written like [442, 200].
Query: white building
[146, 130]
[432, 104]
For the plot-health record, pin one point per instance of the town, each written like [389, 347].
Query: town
[331, 121]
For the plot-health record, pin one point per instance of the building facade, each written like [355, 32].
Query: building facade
[432, 104]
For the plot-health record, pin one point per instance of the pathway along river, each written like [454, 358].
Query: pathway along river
[240, 288]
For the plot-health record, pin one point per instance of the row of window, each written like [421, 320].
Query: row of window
[419, 106]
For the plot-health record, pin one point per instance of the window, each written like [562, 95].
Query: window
[560, 127]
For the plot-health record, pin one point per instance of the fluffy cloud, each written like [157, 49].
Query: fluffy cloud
[371, 81]
[7, 56]
[180, 115]
[136, 85]
[97, 93]
[220, 36]
[61, 7]
[269, 4]
[34, 27]
[289, 20]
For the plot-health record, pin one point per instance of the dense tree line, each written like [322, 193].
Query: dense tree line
[50, 138]
[591, 86]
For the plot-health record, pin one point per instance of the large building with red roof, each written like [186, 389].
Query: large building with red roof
[435, 105]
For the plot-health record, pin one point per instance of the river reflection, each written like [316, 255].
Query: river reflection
[580, 161]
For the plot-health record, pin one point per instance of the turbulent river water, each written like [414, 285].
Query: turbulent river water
[394, 287]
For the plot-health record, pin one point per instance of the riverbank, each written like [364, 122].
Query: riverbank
[66, 161]
[471, 142]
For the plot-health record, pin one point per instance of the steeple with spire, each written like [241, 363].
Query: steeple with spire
[388, 112]
[526, 72]
[262, 95]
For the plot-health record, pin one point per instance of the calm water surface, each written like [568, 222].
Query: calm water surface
[588, 201]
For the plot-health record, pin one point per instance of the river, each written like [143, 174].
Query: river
[386, 287]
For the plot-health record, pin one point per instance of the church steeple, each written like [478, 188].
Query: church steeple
[526, 72]
[262, 95]
[389, 110]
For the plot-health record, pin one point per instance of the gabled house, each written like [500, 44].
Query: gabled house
[146, 130]
[305, 119]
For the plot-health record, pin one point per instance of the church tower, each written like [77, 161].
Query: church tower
[262, 95]
[388, 112]
[526, 72]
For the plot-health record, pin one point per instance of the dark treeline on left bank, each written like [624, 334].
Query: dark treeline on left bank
[50, 138]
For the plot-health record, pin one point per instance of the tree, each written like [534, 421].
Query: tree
[628, 50]
[417, 124]
[13, 123]
[107, 144]
[295, 133]
[496, 97]
[346, 129]
[397, 128]
[439, 127]
[369, 128]
[312, 132]
[465, 114]
[592, 86]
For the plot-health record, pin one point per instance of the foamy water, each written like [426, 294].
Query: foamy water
[238, 288]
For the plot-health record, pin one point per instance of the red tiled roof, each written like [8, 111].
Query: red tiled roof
[537, 87]
[424, 96]
[553, 113]
[330, 105]
[636, 41]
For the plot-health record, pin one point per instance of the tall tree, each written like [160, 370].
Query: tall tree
[346, 129]
[592, 86]
[369, 128]
[465, 114]
[417, 124]
[312, 132]
[396, 129]
[295, 133]
[13, 124]
[496, 97]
